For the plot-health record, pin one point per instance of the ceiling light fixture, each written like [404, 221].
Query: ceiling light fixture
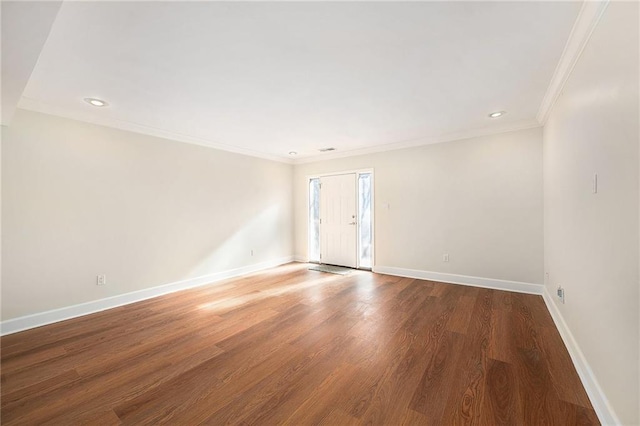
[327, 149]
[497, 114]
[293, 153]
[96, 102]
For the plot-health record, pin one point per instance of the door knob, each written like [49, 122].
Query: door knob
[353, 223]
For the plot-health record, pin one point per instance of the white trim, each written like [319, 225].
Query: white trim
[586, 22]
[449, 137]
[300, 259]
[48, 317]
[516, 286]
[601, 405]
[342, 172]
[91, 118]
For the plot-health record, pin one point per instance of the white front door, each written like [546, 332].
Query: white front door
[338, 230]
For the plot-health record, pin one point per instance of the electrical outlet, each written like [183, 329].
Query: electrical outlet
[102, 280]
[251, 252]
[445, 257]
[546, 277]
[560, 293]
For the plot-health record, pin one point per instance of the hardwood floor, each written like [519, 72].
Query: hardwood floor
[292, 346]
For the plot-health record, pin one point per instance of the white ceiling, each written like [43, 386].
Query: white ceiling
[24, 28]
[268, 78]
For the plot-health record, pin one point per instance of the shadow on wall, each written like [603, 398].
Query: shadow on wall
[252, 243]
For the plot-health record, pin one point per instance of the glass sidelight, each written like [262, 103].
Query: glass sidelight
[365, 237]
[314, 220]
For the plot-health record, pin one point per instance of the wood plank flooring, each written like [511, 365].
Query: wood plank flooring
[292, 346]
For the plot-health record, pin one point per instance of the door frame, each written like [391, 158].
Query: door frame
[357, 172]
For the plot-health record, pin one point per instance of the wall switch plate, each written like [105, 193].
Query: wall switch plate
[445, 258]
[102, 280]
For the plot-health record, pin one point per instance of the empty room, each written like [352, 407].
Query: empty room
[320, 213]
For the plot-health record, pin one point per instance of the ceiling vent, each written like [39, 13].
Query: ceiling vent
[326, 149]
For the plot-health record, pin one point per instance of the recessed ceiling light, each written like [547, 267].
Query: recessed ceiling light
[497, 114]
[96, 102]
[293, 153]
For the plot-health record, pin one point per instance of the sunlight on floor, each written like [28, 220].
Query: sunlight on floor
[309, 289]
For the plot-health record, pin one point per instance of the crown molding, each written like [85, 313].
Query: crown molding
[44, 108]
[87, 117]
[586, 22]
[448, 137]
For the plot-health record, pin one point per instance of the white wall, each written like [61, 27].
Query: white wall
[591, 240]
[81, 200]
[479, 200]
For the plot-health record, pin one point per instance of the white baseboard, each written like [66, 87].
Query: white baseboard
[601, 405]
[495, 284]
[301, 259]
[43, 318]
